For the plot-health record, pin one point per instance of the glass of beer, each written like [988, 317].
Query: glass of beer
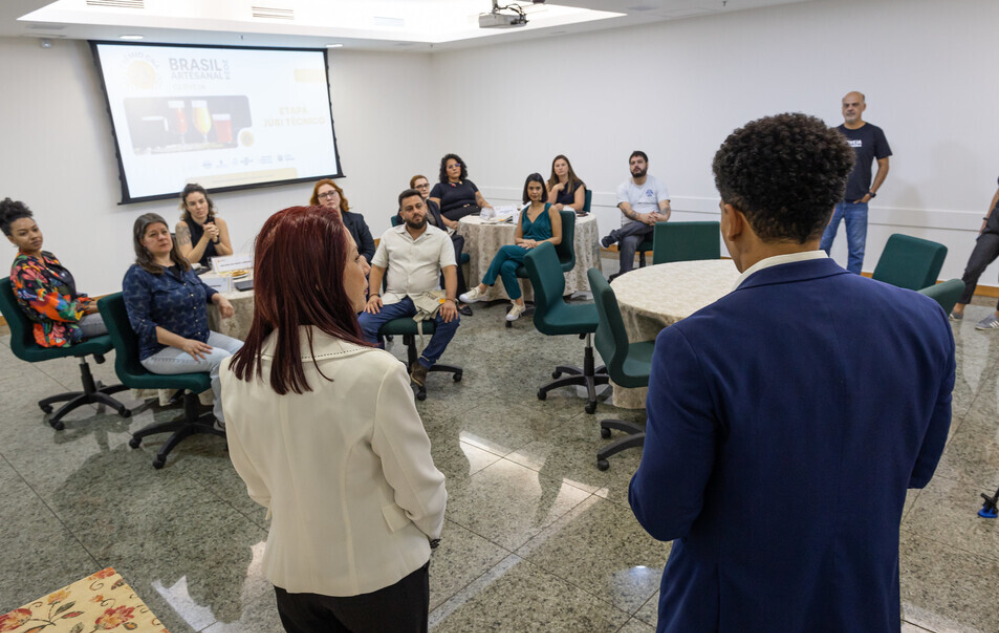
[223, 128]
[202, 118]
[179, 122]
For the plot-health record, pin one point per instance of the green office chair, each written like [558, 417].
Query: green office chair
[946, 293]
[587, 201]
[407, 328]
[910, 262]
[685, 241]
[554, 317]
[22, 343]
[131, 372]
[565, 249]
[628, 364]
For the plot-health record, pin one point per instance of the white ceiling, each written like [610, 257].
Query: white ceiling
[394, 25]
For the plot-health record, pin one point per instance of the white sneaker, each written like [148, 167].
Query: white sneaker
[472, 296]
[515, 312]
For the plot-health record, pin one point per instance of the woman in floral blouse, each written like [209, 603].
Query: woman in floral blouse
[45, 290]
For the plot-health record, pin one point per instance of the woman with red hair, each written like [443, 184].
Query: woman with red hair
[323, 429]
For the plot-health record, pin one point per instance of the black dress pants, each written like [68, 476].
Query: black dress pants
[400, 608]
[985, 252]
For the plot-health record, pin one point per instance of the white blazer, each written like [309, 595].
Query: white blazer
[344, 469]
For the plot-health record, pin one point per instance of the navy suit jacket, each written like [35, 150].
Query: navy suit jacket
[785, 423]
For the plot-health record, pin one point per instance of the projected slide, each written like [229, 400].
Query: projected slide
[227, 118]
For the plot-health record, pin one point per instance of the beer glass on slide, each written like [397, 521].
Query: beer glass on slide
[202, 118]
[223, 128]
[179, 122]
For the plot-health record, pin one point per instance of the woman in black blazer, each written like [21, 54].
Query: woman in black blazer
[327, 193]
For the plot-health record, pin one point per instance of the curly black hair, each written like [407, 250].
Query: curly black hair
[785, 173]
[12, 211]
[443, 172]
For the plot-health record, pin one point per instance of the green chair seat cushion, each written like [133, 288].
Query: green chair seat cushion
[194, 382]
[406, 326]
[465, 258]
[637, 365]
[563, 318]
[96, 345]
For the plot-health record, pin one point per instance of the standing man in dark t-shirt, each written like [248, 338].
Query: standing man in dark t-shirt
[869, 144]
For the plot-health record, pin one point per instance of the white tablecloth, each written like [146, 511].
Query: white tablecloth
[483, 240]
[655, 297]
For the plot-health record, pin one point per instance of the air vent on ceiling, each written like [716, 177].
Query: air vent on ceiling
[394, 23]
[118, 4]
[273, 13]
[46, 27]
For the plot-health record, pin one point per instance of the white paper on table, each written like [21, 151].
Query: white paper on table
[221, 284]
[232, 262]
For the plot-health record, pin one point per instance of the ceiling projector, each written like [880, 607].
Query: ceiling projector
[497, 20]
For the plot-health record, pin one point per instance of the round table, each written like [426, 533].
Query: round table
[484, 239]
[655, 297]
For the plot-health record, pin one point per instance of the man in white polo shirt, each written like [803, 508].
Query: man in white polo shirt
[643, 201]
[413, 254]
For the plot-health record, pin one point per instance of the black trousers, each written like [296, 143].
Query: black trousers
[985, 252]
[459, 246]
[400, 608]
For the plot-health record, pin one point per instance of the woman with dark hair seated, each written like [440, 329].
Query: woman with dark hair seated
[324, 431]
[327, 193]
[45, 290]
[168, 308]
[565, 189]
[455, 194]
[435, 218]
[201, 233]
[539, 222]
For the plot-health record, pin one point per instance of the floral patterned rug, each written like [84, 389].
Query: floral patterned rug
[100, 602]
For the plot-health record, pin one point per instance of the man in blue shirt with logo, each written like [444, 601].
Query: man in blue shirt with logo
[868, 143]
[643, 201]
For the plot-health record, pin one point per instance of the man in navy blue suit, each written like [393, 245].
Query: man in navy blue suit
[787, 420]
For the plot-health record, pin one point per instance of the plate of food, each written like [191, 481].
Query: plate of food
[235, 274]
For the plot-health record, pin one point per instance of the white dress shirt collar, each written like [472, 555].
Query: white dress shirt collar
[777, 260]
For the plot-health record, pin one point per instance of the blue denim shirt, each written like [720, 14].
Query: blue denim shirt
[175, 301]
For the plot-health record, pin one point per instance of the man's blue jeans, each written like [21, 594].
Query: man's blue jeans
[443, 332]
[855, 214]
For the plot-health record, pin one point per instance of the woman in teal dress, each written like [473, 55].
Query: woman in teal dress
[539, 222]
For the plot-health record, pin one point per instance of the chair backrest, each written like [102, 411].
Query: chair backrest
[396, 219]
[685, 241]
[910, 262]
[123, 337]
[611, 338]
[587, 200]
[22, 335]
[946, 293]
[566, 250]
[547, 279]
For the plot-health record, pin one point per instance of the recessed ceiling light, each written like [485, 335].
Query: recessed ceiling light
[131, 37]
[334, 46]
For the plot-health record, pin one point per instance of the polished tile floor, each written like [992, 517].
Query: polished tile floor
[537, 539]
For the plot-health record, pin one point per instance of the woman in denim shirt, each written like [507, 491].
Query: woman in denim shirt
[167, 307]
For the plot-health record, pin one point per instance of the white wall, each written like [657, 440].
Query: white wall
[676, 89]
[57, 154]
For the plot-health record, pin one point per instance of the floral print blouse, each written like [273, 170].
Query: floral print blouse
[47, 293]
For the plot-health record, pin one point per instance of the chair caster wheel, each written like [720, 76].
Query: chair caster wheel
[591, 407]
[58, 425]
[542, 394]
[605, 433]
[556, 374]
[135, 442]
[457, 376]
[602, 464]
[421, 395]
[158, 462]
[127, 413]
[509, 324]
[46, 408]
